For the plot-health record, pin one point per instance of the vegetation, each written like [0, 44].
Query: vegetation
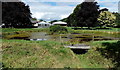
[14, 33]
[88, 14]
[51, 54]
[117, 21]
[58, 29]
[16, 14]
[37, 54]
[84, 15]
[110, 50]
[105, 33]
[53, 21]
[106, 19]
[11, 30]
[22, 35]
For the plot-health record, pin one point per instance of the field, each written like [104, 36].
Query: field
[52, 54]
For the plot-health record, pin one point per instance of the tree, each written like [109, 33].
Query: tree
[16, 14]
[88, 14]
[104, 9]
[117, 21]
[85, 14]
[54, 21]
[41, 20]
[106, 19]
[34, 19]
[72, 19]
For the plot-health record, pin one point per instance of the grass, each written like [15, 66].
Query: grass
[7, 30]
[109, 29]
[43, 29]
[41, 54]
[99, 33]
[112, 32]
[94, 59]
[9, 33]
[51, 54]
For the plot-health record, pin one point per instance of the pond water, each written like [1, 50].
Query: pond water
[38, 36]
[43, 36]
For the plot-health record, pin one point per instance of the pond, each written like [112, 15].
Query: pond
[44, 36]
[78, 38]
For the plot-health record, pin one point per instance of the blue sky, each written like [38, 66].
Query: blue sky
[59, 9]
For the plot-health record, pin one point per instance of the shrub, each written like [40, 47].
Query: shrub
[58, 29]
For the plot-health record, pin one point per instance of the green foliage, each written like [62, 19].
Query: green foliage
[94, 59]
[58, 29]
[110, 50]
[85, 14]
[71, 20]
[16, 14]
[35, 19]
[117, 21]
[106, 18]
[64, 20]
[54, 21]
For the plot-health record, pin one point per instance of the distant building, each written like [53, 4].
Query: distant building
[3, 25]
[60, 23]
[34, 23]
[43, 24]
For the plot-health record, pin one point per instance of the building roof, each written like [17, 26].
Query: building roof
[59, 22]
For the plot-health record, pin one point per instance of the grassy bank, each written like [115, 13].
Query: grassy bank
[99, 33]
[95, 58]
[50, 54]
[41, 54]
[10, 30]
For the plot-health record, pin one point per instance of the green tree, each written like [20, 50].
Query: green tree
[117, 21]
[54, 21]
[106, 19]
[34, 19]
[72, 19]
[16, 14]
[85, 14]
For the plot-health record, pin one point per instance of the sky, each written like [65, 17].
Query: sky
[49, 10]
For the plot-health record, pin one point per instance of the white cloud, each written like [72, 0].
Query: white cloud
[52, 0]
[47, 11]
[38, 14]
[44, 9]
[112, 6]
[67, 0]
[64, 16]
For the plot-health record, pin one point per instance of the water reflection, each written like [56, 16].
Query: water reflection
[37, 39]
[39, 36]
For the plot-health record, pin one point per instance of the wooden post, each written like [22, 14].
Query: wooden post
[93, 38]
[60, 39]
